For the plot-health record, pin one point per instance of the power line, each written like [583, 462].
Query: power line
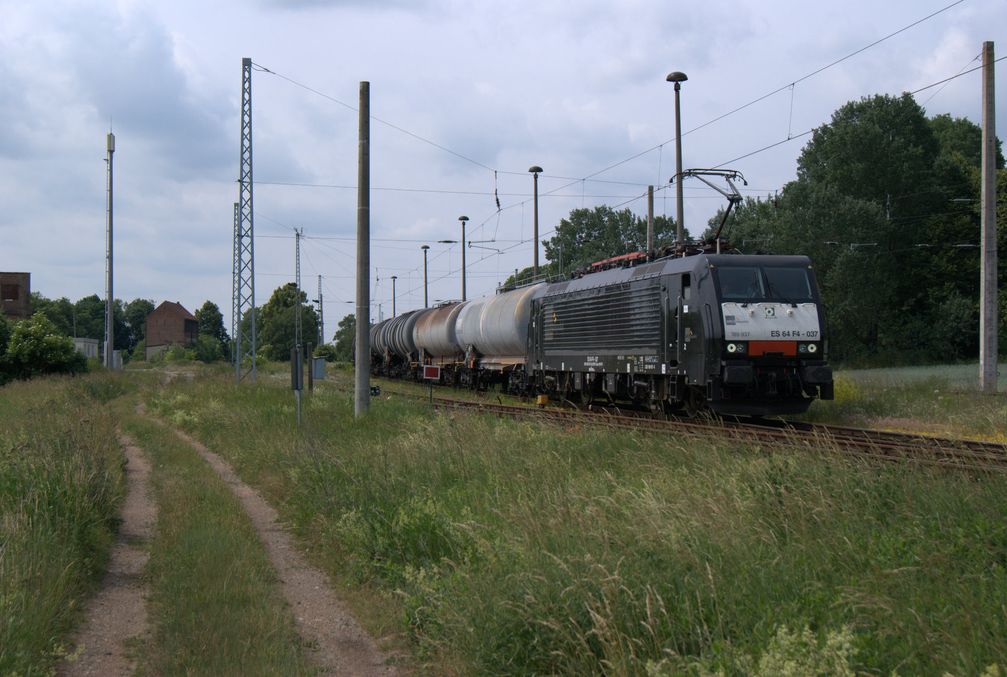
[805, 133]
[772, 93]
[397, 128]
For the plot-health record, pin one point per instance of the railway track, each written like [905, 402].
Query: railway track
[950, 453]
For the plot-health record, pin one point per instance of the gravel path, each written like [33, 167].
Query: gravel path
[118, 612]
[339, 646]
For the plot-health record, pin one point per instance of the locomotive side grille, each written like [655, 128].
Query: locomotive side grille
[615, 317]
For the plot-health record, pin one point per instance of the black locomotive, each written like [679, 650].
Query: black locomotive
[732, 333]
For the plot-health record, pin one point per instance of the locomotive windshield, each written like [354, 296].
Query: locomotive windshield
[764, 283]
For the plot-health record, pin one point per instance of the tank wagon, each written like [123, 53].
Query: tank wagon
[736, 334]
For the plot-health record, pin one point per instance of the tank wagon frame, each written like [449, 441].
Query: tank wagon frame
[735, 334]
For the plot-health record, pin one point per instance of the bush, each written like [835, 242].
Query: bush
[326, 350]
[36, 347]
[208, 349]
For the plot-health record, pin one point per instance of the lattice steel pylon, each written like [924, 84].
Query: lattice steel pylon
[235, 257]
[243, 300]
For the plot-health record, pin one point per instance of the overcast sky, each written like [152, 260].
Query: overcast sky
[574, 87]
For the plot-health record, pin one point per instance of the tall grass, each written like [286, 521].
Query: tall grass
[60, 484]
[215, 606]
[522, 549]
[940, 399]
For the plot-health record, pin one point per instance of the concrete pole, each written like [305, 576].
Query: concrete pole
[650, 218]
[394, 277]
[109, 321]
[321, 314]
[463, 219]
[426, 298]
[362, 377]
[535, 264]
[679, 206]
[988, 282]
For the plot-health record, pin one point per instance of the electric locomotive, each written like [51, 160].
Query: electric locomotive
[734, 334]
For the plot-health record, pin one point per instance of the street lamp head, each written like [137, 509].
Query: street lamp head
[677, 77]
[463, 218]
[424, 247]
[535, 169]
[447, 241]
[395, 277]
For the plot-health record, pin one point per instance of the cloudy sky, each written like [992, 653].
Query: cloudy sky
[465, 96]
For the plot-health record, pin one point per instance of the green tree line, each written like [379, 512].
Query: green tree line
[886, 204]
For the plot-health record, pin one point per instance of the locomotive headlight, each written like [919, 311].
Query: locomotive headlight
[732, 347]
[802, 347]
[812, 347]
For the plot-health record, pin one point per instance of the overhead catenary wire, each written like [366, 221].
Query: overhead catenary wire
[592, 176]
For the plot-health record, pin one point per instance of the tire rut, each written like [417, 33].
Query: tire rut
[338, 645]
[117, 615]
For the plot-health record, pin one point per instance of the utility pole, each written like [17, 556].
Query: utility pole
[678, 78]
[362, 376]
[321, 314]
[394, 277]
[109, 323]
[463, 219]
[650, 218]
[535, 171]
[988, 281]
[426, 297]
[298, 331]
[244, 292]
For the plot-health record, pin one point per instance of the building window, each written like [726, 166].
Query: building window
[10, 292]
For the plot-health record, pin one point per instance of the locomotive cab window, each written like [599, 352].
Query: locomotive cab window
[764, 283]
[742, 283]
[788, 284]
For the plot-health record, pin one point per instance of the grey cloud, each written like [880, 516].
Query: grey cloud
[124, 67]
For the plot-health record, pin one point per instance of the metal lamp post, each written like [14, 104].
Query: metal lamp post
[394, 277]
[426, 298]
[678, 78]
[463, 219]
[535, 171]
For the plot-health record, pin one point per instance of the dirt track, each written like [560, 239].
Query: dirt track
[118, 613]
[339, 645]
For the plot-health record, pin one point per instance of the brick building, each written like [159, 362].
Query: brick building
[167, 325]
[15, 289]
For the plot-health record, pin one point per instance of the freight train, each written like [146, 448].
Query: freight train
[735, 334]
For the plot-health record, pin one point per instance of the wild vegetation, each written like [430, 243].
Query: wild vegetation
[60, 485]
[516, 549]
[214, 602]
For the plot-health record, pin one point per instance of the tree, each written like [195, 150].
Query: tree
[60, 312]
[345, 333]
[589, 235]
[37, 347]
[211, 323]
[90, 314]
[882, 196]
[276, 331]
[5, 331]
[208, 348]
[136, 312]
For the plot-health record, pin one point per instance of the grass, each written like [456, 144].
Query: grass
[516, 548]
[942, 399]
[216, 608]
[61, 482]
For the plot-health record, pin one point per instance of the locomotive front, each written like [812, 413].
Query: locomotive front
[773, 348]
